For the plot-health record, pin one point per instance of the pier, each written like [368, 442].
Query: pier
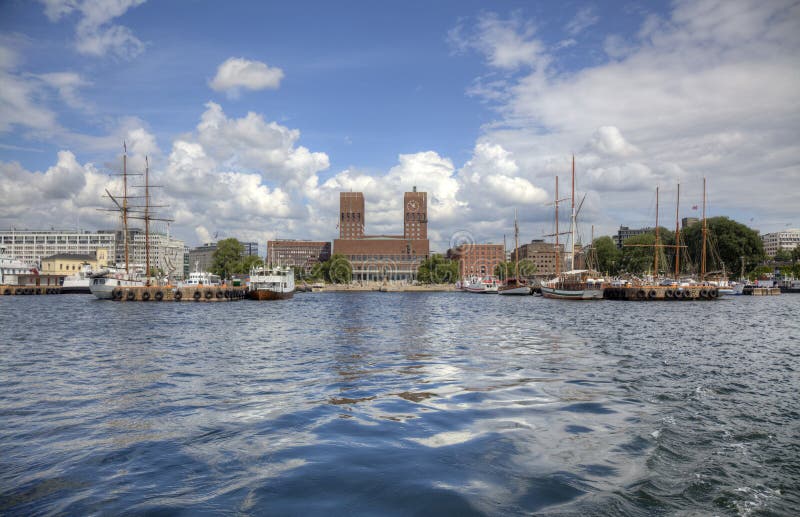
[752, 290]
[179, 294]
[19, 290]
[661, 293]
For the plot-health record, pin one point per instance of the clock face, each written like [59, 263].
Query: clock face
[413, 205]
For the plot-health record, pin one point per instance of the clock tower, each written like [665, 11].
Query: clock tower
[415, 208]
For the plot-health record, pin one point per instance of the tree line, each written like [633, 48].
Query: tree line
[730, 246]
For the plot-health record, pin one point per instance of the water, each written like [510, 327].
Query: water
[398, 404]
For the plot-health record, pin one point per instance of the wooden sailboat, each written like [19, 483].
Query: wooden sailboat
[574, 284]
[105, 283]
[665, 289]
[515, 285]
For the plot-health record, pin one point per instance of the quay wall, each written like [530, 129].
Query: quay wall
[761, 291]
[661, 293]
[179, 294]
[386, 288]
[19, 290]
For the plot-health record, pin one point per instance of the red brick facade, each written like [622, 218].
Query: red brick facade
[300, 254]
[383, 257]
[477, 259]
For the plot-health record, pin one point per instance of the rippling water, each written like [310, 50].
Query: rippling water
[390, 403]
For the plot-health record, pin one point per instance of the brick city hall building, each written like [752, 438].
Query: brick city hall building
[383, 257]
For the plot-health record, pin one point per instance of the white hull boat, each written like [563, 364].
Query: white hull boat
[103, 284]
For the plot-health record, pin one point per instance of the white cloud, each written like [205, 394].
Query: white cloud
[254, 144]
[506, 44]
[95, 34]
[67, 84]
[18, 105]
[609, 141]
[710, 90]
[583, 19]
[236, 73]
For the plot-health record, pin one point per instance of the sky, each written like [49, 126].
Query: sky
[255, 115]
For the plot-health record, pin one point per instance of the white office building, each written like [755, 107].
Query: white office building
[30, 246]
[166, 253]
[777, 241]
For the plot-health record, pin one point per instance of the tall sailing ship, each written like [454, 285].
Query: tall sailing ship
[515, 285]
[105, 281]
[576, 284]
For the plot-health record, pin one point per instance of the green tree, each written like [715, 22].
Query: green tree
[437, 270]
[339, 270]
[608, 255]
[759, 271]
[783, 256]
[728, 241]
[320, 270]
[247, 263]
[796, 254]
[637, 254]
[506, 269]
[227, 258]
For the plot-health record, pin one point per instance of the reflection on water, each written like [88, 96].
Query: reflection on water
[399, 403]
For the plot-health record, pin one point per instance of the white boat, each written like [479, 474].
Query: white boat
[198, 278]
[78, 283]
[485, 285]
[11, 270]
[276, 283]
[790, 286]
[574, 285]
[104, 282]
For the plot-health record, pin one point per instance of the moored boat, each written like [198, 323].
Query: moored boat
[78, 283]
[577, 284]
[574, 285]
[201, 278]
[276, 283]
[515, 285]
[485, 285]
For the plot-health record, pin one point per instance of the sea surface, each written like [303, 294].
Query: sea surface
[400, 404]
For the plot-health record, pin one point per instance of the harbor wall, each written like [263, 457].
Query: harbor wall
[20, 290]
[179, 294]
[661, 293]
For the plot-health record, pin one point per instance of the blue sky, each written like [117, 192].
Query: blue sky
[255, 114]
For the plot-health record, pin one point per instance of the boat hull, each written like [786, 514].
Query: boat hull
[76, 289]
[572, 294]
[265, 294]
[519, 291]
[103, 288]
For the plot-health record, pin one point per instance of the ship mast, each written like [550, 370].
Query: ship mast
[656, 247]
[558, 258]
[677, 233]
[147, 218]
[516, 247]
[572, 222]
[705, 236]
[125, 202]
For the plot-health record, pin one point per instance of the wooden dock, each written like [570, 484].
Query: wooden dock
[179, 294]
[20, 290]
[751, 290]
[661, 293]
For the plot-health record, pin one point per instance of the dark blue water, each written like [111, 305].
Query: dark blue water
[398, 404]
